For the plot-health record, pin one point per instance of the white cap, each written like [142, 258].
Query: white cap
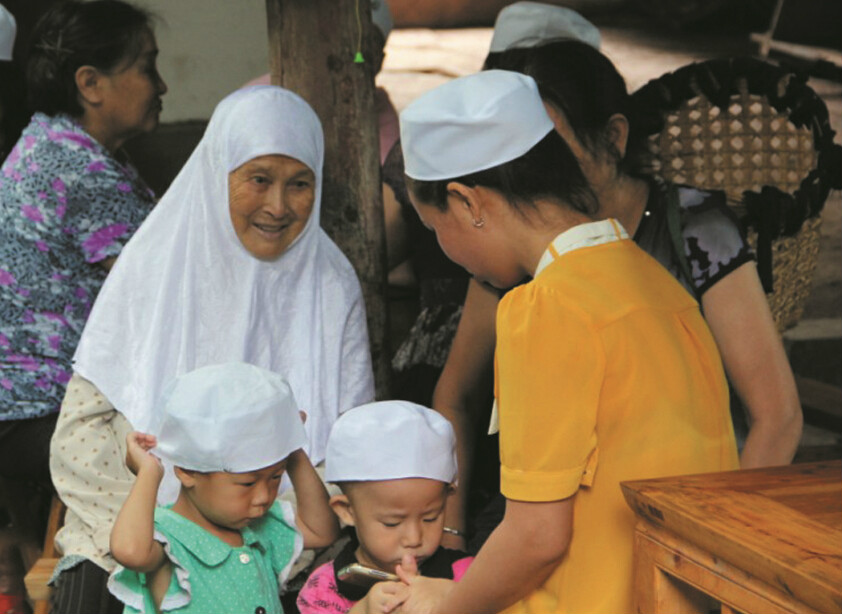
[231, 417]
[381, 16]
[472, 124]
[391, 440]
[526, 24]
[8, 30]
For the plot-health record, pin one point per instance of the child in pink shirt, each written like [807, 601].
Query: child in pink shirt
[395, 463]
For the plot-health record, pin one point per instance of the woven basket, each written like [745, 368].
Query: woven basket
[740, 126]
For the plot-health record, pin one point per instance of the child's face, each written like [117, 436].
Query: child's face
[396, 517]
[233, 500]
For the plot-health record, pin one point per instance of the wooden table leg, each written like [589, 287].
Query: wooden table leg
[656, 592]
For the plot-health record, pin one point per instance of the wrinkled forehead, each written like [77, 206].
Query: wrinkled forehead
[265, 120]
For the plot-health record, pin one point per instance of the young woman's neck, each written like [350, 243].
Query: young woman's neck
[184, 506]
[623, 198]
[539, 227]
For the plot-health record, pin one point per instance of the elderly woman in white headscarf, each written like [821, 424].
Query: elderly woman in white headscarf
[232, 265]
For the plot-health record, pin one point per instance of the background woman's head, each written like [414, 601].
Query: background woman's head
[587, 98]
[99, 55]
[13, 112]
[486, 132]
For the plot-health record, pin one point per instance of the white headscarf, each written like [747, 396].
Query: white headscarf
[185, 293]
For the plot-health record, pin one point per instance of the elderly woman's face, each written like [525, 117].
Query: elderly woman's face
[270, 200]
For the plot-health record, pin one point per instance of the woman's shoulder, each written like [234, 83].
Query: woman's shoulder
[336, 267]
[57, 152]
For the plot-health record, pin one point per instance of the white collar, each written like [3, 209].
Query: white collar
[583, 235]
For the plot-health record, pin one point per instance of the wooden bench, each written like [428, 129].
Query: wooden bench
[39, 574]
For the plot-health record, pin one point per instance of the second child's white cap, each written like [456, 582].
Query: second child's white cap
[526, 24]
[233, 417]
[381, 16]
[391, 440]
[472, 124]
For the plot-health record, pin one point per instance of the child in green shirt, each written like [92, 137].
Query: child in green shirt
[231, 431]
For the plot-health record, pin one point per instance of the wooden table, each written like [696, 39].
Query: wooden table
[761, 541]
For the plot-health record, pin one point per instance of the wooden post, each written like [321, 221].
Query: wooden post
[312, 47]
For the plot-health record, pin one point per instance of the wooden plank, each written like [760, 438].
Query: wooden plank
[805, 475]
[788, 549]
[657, 593]
[37, 577]
[733, 588]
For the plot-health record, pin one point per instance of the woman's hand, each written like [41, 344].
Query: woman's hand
[138, 457]
[425, 595]
[382, 598]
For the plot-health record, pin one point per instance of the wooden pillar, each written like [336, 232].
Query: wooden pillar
[312, 47]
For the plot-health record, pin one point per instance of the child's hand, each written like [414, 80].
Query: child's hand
[384, 597]
[408, 568]
[138, 457]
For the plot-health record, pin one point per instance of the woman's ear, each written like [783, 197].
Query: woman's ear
[463, 200]
[617, 131]
[89, 84]
[341, 506]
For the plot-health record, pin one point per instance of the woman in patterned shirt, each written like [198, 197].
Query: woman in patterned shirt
[69, 201]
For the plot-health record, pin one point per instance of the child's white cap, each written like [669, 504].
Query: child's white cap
[381, 16]
[391, 440]
[472, 124]
[8, 30]
[526, 24]
[231, 417]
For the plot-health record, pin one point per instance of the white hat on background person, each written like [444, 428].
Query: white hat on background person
[232, 417]
[526, 24]
[472, 124]
[391, 440]
[381, 16]
[8, 31]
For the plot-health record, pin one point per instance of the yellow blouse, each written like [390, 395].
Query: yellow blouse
[605, 371]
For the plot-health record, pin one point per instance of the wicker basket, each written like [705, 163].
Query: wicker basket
[758, 133]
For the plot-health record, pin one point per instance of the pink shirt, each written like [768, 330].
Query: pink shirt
[320, 595]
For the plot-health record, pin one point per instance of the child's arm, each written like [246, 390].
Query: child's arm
[314, 517]
[132, 541]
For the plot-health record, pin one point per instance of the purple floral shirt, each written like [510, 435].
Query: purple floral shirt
[65, 204]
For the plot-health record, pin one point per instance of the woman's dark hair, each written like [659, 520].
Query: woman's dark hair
[13, 112]
[547, 171]
[105, 34]
[585, 86]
